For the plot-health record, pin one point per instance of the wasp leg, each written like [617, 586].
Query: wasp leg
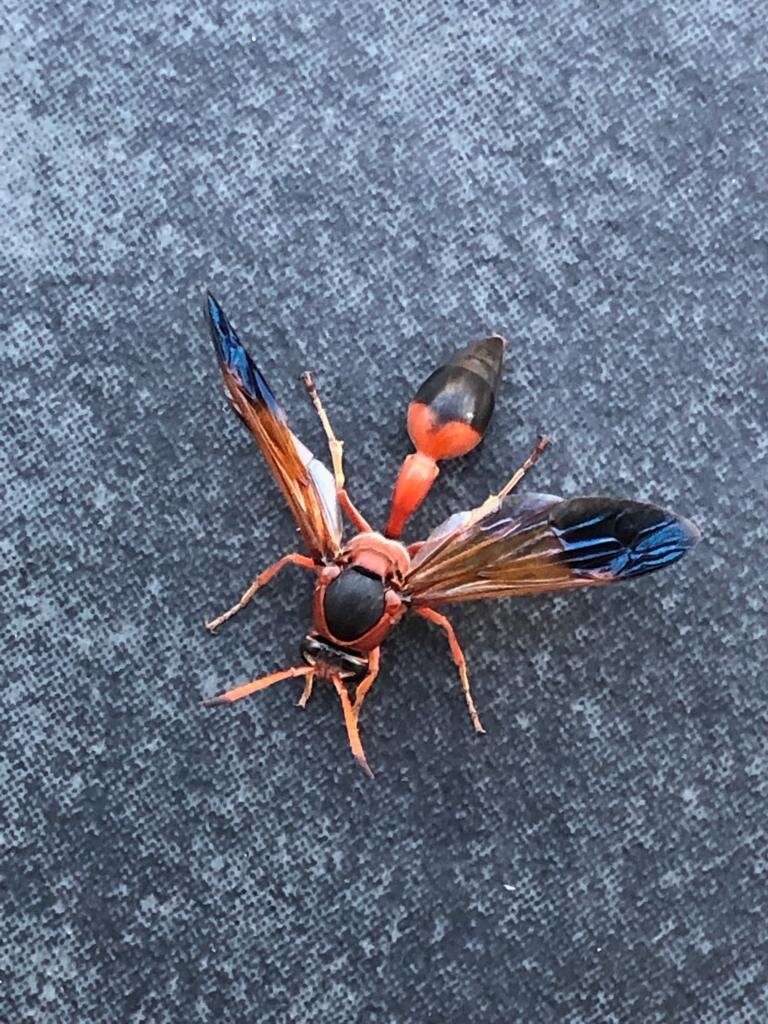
[350, 721]
[355, 517]
[293, 559]
[306, 693]
[336, 447]
[542, 443]
[230, 696]
[493, 502]
[459, 660]
[367, 682]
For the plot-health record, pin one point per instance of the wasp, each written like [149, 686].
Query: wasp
[512, 545]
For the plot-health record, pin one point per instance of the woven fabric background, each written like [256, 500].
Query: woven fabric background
[367, 187]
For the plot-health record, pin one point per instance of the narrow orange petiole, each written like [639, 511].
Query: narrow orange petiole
[350, 721]
[230, 696]
[417, 474]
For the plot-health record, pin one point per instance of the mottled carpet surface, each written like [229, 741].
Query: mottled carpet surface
[367, 187]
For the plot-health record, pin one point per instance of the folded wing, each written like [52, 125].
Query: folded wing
[538, 543]
[307, 485]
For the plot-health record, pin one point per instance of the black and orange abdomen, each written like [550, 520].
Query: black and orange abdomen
[447, 418]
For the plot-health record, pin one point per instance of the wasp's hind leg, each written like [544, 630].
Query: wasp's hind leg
[493, 502]
[459, 660]
[293, 559]
[336, 448]
[541, 445]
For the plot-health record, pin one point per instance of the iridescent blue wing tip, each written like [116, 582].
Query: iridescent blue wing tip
[659, 544]
[621, 539]
[233, 357]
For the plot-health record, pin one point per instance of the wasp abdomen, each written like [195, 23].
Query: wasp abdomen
[447, 418]
[353, 603]
[451, 410]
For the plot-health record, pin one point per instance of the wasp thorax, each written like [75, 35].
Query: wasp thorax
[353, 603]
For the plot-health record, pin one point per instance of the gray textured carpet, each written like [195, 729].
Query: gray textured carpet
[366, 187]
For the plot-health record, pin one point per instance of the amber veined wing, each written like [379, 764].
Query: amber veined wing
[308, 486]
[538, 543]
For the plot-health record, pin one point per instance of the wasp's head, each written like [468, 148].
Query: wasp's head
[331, 660]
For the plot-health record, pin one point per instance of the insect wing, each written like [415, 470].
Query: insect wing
[308, 486]
[538, 543]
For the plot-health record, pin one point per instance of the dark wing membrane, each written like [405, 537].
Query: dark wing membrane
[538, 543]
[307, 485]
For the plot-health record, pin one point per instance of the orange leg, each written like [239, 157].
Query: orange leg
[350, 721]
[542, 443]
[230, 696]
[367, 682]
[258, 583]
[306, 693]
[337, 452]
[355, 517]
[493, 502]
[458, 657]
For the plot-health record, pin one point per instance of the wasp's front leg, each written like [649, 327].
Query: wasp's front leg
[293, 559]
